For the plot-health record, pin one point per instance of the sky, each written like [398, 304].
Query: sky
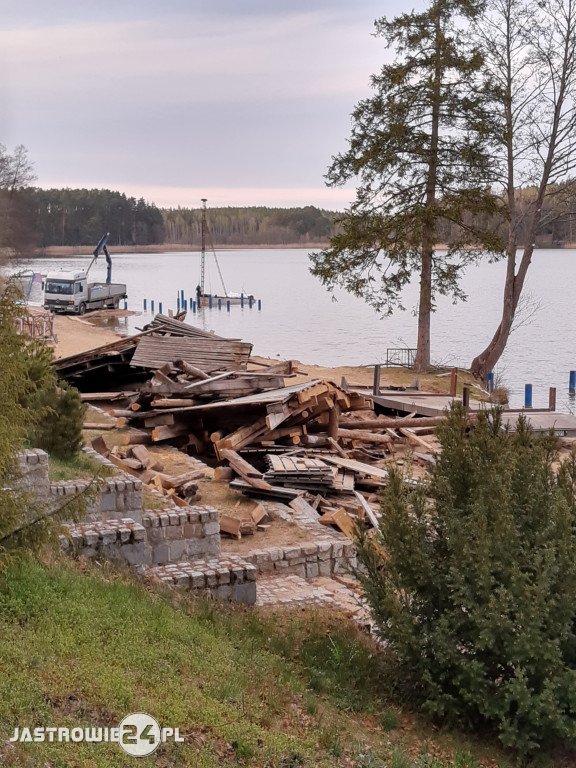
[243, 102]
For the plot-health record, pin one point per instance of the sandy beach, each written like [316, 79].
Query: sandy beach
[76, 335]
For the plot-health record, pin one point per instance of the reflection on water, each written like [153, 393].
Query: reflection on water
[299, 319]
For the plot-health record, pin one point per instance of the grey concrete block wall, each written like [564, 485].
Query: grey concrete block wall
[183, 533]
[32, 472]
[123, 541]
[226, 578]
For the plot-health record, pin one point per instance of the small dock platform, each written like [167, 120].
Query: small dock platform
[433, 404]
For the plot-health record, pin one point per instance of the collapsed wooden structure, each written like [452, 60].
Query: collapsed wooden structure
[299, 443]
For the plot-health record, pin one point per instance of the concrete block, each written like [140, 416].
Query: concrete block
[212, 545]
[312, 570]
[177, 550]
[197, 580]
[195, 547]
[138, 532]
[161, 554]
[244, 593]
[174, 532]
[137, 554]
[324, 567]
[223, 592]
[211, 528]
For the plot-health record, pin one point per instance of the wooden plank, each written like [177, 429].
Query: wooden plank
[243, 436]
[159, 420]
[368, 509]
[167, 432]
[275, 492]
[258, 513]
[357, 466]
[231, 526]
[100, 446]
[237, 462]
[383, 423]
[134, 437]
[344, 522]
[363, 436]
[95, 425]
[301, 506]
[415, 440]
[175, 481]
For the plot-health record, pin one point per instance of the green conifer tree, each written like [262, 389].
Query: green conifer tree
[475, 595]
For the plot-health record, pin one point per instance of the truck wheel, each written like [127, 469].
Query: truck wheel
[82, 309]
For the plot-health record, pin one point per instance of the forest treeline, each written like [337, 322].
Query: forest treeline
[75, 217]
[79, 217]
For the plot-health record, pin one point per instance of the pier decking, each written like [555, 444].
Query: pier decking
[433, 404]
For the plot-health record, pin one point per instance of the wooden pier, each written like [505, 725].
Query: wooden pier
[433, 404]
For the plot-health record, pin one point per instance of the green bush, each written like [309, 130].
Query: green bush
[472, 583]
[60, 431]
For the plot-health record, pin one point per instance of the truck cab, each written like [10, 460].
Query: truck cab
[66, 292]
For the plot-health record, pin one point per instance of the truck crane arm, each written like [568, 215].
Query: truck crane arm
[101, 248]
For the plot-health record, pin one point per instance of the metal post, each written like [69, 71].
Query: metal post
[490, 382]
[219, 303]
[466, 398]
[194, 306]
[160, 307]
[259, 304]
[144, 305]
[528, 396]
[250, 302]
[228, 305]
[152, 305]
[210, 301]
[241, 301]
[572, 384]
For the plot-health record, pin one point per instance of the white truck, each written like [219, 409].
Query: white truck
[71, 291]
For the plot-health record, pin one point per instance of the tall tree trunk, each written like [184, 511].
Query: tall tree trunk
[422, 361]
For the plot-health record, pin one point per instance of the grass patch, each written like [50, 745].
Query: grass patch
[82, 467]
[86, 649]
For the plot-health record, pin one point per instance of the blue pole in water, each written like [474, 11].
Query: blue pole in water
[178, 304]
[144, 305]
[259, 303]
[210, 301]
[250, 302]
[219, 303]
[490, 382]
[572, 385]
[228, 305]
[182, 297]
[193, 306]
[528, 396]
[160, 307]
[184, 304]
[152, 305]
[241, 301]
[125, 304]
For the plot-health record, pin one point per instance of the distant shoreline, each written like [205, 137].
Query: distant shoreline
[54, 251]
[69, 251]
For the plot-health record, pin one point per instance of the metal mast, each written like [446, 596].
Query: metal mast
[203, 259]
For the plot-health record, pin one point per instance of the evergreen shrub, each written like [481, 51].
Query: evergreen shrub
[471, 579]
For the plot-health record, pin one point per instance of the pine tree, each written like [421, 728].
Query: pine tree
[419, 148]
[476, 594]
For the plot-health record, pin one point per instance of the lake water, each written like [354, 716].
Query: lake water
[300, 320]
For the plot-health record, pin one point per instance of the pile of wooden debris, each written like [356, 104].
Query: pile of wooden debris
[296, 443]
